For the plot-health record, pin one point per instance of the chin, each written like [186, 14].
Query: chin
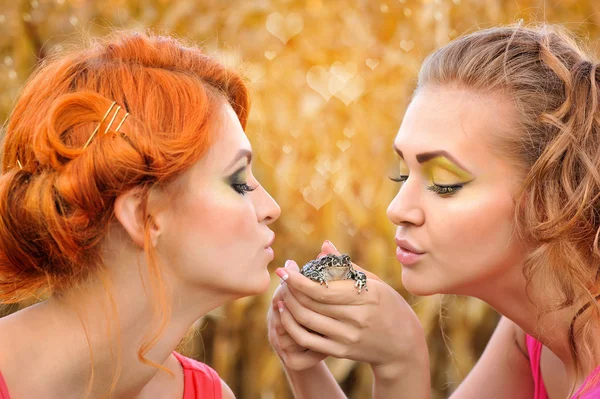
[257, 285]
[420, 285]
[426, 285]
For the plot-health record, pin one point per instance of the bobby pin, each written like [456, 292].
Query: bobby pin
[110, 124]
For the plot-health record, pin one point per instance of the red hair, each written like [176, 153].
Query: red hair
[56, 197]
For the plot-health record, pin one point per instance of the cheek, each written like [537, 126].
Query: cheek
[223, 221]
[209, 229]
[473, 235]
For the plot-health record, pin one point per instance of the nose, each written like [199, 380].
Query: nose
[267, 209]
[406, 207]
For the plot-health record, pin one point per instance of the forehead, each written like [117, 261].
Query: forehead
[229, 138]
[464, 123]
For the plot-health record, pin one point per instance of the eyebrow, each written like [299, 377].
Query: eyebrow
[427, 156]
[241, 154]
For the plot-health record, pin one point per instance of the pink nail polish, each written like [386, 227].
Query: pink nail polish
[280, 306]
[282, 274]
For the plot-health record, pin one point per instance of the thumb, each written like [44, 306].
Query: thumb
[291, 265]
[329, 248]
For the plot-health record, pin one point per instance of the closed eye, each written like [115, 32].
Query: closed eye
[399, 179]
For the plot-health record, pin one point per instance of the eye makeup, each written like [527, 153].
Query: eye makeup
[403, 172]
[445, 176]
[441, 170]
[443, 173]
[238, 181]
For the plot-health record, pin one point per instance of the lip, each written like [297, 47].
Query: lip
[271, 241]
[407, 253]
[271, 253]
[404, 244]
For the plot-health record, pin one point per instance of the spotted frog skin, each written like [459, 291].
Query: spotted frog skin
[332, 268]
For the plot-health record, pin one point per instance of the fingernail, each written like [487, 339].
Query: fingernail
[280, 306]
[322, 254]
[330, 243]
[282, 274]
[287, 263]
[292, 265]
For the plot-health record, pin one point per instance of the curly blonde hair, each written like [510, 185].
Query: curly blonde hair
[553, 84]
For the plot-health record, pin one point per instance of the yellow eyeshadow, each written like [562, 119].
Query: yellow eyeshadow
[442, 171]
[403, 168]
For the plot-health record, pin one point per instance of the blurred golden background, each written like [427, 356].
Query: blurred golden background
[330, 83]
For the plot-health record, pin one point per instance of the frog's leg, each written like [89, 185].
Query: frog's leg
[361, 280]
[318, 276]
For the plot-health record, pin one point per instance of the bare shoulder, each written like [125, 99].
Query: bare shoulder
[227, 392]
[503, 371]
[12, 332]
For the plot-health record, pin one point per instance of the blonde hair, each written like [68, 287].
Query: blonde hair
[553, 84]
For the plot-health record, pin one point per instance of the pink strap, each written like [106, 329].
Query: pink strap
[200, 381]
[534, 348]
[3, 388]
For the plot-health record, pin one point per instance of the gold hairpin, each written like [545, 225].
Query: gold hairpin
[19, 164]
[110, 124]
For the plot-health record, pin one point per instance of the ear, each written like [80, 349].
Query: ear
[128, 209]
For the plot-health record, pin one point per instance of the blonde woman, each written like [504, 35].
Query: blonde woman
[499, 199]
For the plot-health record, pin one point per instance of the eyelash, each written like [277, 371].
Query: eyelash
[399, 179]
[242, 188]
[443, 191]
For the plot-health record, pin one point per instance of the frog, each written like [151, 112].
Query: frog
[333, 267]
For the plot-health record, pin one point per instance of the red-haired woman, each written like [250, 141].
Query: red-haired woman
[499, 199]
[126, 199]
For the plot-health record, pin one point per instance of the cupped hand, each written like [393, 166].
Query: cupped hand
[376, 326]
[294, 356]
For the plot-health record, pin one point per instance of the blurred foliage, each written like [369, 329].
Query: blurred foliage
[330, 83]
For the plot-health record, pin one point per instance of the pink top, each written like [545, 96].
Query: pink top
[534, 348]
[199, 380]
[3, 388]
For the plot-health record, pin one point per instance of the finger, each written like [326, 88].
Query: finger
[337, 292]
[329, 248]
[343, 313]
[290, 265]
[302, 360]
[276, 294]
[288, 345]
[274, 321]
[318, 322]
[309, 340]
[285, 342]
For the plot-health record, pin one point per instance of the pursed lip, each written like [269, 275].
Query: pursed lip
[271, 241]
[404, 244]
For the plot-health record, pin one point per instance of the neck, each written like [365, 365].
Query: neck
[511, 298]
[124, 323]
